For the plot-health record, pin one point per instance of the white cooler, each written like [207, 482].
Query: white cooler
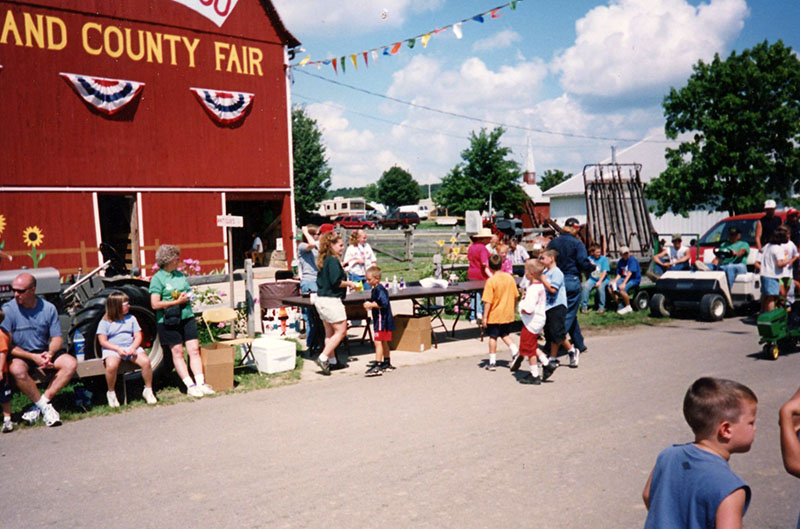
[273, 355]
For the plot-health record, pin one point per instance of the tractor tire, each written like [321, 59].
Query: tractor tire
[641, 300]
[660, 307]
[712, 307]
[88, 318]
[770, 351]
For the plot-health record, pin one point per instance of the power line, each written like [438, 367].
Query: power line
[405, 125]
[473, 118]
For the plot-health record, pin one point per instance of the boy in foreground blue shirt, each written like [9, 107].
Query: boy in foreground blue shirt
[692, 486]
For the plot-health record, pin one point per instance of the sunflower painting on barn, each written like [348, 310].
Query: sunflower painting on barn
[33, 237]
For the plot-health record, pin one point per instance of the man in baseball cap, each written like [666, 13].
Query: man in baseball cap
[767, 224]
[629, 274]
[732, 258]
[675, 257]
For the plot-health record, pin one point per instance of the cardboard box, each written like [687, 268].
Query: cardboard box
[411, 333]
[218, 365]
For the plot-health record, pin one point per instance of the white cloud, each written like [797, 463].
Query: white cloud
[347, 16]
[642, 46]
[498, 41]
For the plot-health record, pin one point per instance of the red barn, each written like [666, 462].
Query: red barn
[136, 123]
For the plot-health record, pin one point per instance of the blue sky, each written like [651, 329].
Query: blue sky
[566, 69]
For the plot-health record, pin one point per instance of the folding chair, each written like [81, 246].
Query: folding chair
[435, 313]
[228, 316]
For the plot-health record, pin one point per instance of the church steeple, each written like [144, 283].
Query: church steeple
[529, 174]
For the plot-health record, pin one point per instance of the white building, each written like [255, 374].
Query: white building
[568, 199]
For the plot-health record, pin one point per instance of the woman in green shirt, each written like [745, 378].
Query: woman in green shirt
[332, 286]
[170, 297]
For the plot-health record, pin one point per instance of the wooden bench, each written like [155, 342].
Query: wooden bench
[94, 367]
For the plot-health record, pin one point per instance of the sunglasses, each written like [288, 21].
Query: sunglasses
[20, 290]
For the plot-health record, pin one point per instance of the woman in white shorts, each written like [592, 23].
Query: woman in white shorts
[332, 286]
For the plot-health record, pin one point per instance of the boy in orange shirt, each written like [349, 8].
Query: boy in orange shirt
[499, 297]
[5, 386]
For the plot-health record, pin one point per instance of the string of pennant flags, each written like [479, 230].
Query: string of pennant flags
[394, 48]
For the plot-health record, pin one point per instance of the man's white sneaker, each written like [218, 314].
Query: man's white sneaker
[195, 391]
[206, 389]
[700, 265]
[111, 397]
[625, 310]
[51, 416]
[149, 396]
[8, 426]
[32, 416]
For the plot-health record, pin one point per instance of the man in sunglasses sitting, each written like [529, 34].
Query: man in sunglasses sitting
[36, 340]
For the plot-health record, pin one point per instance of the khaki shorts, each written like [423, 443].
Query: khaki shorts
[330, 309]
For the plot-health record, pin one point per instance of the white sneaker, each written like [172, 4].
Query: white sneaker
[700, 265]
[8, 426]
[574, 357]
[625, 310]
[194, 391]
[51, 416]
[111, 397]
[149, 396]
[206, 389]
[32, 416]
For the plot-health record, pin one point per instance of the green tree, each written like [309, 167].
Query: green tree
[397, 187]
[485, 170]
[744, 113]
[371, 193]
[552, 177]
[312, 176]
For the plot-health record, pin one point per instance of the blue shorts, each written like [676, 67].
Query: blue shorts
[770, 286]
[5, 389]
[629, 285]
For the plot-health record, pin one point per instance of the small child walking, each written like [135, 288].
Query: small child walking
[556, 306]
[532, 311]
[382, 320]
[691, 484]
[499, 297]
[5, 385]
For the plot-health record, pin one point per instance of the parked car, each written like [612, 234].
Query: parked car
[400, 219]
[354, 222]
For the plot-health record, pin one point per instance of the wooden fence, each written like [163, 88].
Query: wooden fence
[405, 245]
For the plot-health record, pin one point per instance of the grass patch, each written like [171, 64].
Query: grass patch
[612, 320]
[73, 402]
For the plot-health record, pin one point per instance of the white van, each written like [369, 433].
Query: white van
[422, 211]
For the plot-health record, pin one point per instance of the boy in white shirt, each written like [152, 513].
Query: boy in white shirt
[532, 311]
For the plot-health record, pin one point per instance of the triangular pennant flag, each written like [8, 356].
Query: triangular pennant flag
[411, 42]
[496, 13]
[386, 51]
[334, 66]
[375, 57]
[457, 30]
[396, 48]
[425, 39]
[513, 5]
[224, 107]
[366, 60]
[440, 30]
[355, 61]
[478, 18]
[342, 64]
[109, 96]
[305, 61]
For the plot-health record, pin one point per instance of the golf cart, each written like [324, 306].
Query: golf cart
[706, 292]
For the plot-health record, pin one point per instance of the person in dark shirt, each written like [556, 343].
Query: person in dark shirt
[572, 260]
[332, 287]
[382, 320]
[767, 224]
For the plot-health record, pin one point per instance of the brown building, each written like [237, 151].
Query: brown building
[123, 151]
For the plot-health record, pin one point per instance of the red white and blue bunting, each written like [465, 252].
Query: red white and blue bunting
[224, 106]
[106, 95]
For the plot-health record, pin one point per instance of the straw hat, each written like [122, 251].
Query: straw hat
[483, 233]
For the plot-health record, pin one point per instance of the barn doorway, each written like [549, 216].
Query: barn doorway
[119, 227]
[260, 216]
